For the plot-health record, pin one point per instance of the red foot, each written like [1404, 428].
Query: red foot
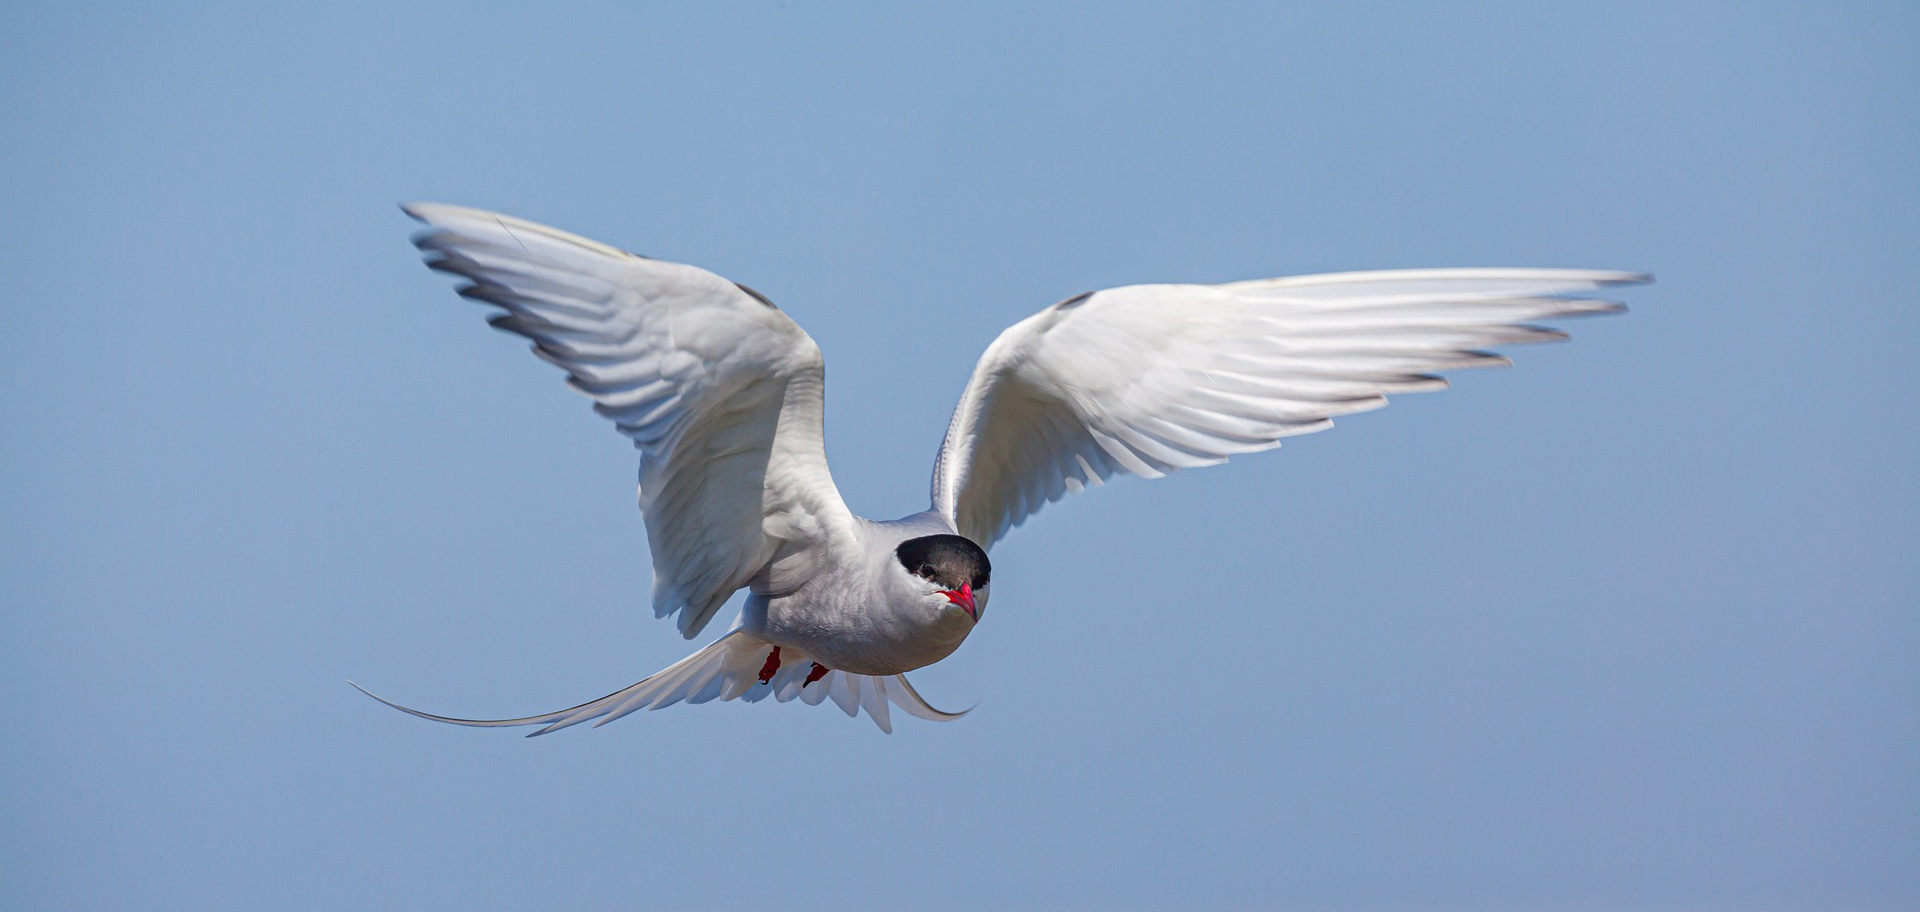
[815, 673]
[773, 665]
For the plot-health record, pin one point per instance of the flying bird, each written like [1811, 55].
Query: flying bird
[721, 392]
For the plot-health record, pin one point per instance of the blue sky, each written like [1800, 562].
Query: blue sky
[1627, 627]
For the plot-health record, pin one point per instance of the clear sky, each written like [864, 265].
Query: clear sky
[1629, 627]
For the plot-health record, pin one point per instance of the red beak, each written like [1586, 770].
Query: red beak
[963, 598]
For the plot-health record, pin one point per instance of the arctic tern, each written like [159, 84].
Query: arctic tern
[721, 392]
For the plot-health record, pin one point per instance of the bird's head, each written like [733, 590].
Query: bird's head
[948, 570]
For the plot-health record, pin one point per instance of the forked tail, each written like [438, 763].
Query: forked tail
[738, 666]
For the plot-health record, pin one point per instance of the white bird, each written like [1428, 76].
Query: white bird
[721, 392]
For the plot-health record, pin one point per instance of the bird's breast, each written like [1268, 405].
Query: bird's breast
[857, 632]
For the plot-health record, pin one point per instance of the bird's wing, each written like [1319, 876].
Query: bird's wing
[719, 390]
[1147, 379]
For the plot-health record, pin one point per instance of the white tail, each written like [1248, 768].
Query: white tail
[729, 668]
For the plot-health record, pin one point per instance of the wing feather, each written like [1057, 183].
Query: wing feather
[1149, 379]
[719, 390]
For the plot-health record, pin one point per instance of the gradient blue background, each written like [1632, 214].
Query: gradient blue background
[1628, 627]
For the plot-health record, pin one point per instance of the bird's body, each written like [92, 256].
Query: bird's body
[722, 394]
[855, 616]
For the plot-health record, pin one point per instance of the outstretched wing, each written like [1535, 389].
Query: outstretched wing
[1147, 379]
[719, 390]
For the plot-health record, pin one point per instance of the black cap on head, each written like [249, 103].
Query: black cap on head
[949, 560]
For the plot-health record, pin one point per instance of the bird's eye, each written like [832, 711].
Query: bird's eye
[926, 570]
